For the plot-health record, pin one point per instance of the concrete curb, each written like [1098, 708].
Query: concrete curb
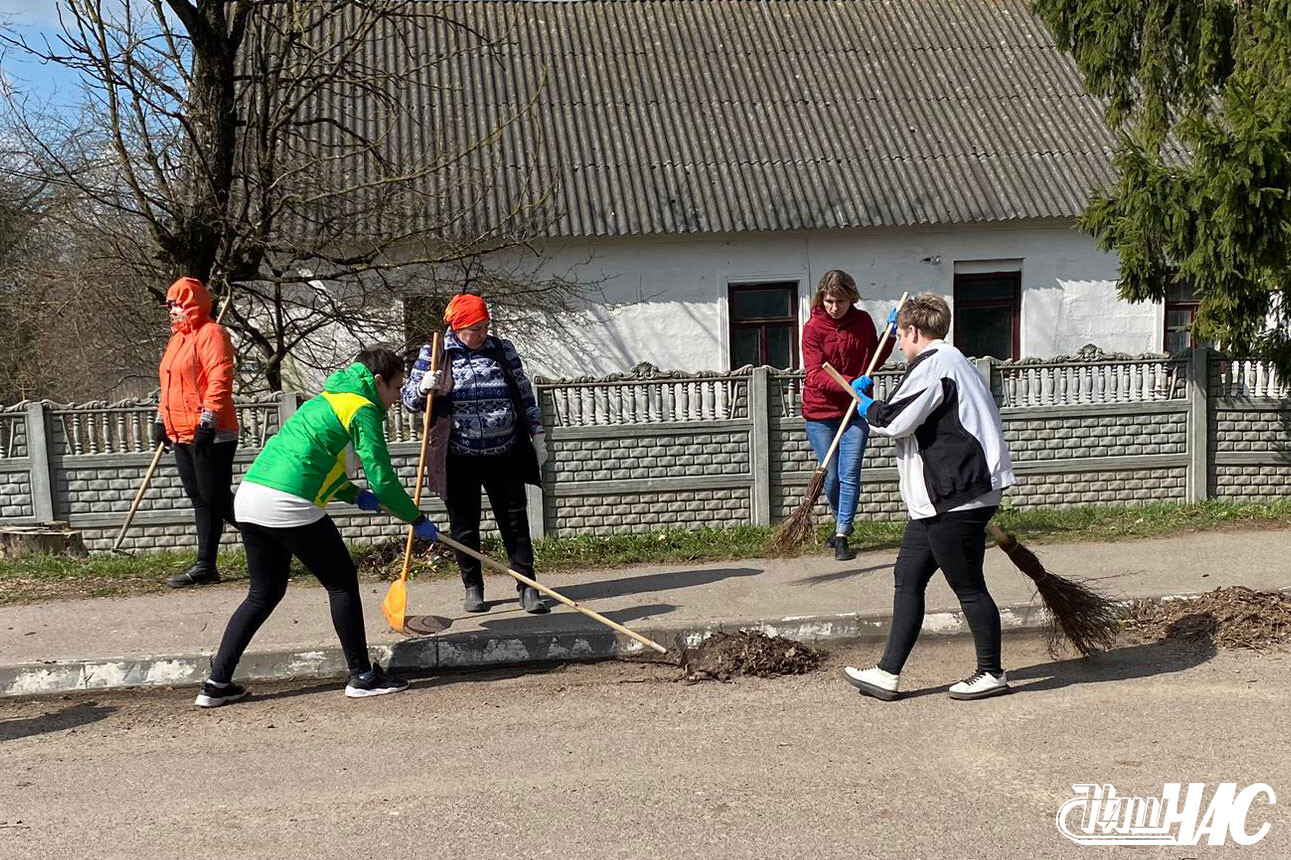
[474, 649]
[477, 649]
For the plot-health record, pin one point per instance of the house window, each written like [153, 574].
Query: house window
[987, 314]
[764, 324]
[1180, 311]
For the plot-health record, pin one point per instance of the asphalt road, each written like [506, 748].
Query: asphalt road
[621, 760]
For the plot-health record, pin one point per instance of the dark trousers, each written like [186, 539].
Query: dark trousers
[206, 474]
[956, 543]
[499, 476]
[269, 551]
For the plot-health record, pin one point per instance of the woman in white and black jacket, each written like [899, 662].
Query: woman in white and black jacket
[486, 435]
[954, 465]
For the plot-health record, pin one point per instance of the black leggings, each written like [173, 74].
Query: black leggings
[956, 543]
[499, 475]
[269, 551]
[206, 474]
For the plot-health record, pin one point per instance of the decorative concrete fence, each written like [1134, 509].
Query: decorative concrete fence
[650, 450]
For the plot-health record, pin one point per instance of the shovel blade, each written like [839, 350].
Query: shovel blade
[395, 605]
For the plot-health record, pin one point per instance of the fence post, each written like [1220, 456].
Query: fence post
[1198, 431]
[536, 511]
[986, 370]
[42, 476]
[760, 445]
[286, 406]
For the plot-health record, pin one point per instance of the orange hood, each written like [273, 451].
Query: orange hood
[192, 297]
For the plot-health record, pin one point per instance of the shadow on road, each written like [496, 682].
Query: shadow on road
[569, 621]
[1143, 660]
[652, 582]
[70, 717]
[836, 575]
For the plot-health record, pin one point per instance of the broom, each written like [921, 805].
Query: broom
[797, 526]
[395, 605]
[1078, 613]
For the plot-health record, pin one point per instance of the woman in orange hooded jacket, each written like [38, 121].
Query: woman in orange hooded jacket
[196, 415]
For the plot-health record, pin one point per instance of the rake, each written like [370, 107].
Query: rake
[395, 605]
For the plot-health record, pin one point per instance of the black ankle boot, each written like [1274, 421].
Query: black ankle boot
[842, 552]
[474, 601]
[197, 574]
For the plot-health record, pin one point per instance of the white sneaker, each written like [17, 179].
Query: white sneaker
[980, 685]
[874, 682]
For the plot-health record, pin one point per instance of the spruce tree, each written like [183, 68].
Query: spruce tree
[1200, 91]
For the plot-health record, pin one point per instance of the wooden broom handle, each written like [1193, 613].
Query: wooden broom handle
[421, 461]
[533, 583]
[847, 416]
[138, 497]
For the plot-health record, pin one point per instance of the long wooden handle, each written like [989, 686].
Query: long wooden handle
[847, 417]
[843, 383]
[533, 583]
[421, 461]
[887, 332]
[138, 497]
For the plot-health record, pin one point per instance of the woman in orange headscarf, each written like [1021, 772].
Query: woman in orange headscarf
[487, 434]
[196, 415]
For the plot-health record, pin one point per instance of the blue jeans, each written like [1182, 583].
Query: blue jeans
[843, 480]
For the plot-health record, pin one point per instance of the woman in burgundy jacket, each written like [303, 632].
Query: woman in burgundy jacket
[842, 334]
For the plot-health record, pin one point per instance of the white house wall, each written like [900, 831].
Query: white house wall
[665, 298]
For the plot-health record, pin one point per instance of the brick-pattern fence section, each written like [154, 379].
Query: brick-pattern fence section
[650, 450]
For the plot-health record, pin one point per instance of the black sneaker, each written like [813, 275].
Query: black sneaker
[197, 574]
[212, 696]
[474, 601]
[375, 683]
[531, 600]
[842, 552]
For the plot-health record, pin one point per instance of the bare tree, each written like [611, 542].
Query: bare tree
[256, 144]
[62, 334]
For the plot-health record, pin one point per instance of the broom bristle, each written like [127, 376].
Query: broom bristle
[1077, 613]
[797, 526]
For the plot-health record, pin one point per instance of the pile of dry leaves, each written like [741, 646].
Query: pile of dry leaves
[1233, 617]
[749, 652]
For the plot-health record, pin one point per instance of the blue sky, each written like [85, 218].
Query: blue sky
[34, 19]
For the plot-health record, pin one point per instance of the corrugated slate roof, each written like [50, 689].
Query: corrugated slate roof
[687, 116]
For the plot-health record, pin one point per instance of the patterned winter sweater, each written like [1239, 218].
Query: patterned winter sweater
[483, 415]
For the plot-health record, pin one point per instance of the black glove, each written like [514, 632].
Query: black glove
[159, 434]
[204, 436]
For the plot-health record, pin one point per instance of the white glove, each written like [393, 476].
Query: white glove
[429, 381]
[540, 448]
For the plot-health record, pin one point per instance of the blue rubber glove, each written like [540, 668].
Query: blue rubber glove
[863, 384]
[865, 399]
[892, 319]
[424, 529]
[367, 500]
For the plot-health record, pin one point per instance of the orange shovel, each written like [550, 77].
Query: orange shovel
[395, 605]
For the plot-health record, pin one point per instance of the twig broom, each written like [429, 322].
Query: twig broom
[1077, 613]
[797, 526]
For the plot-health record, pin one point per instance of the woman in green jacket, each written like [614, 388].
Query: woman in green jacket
[281, 503]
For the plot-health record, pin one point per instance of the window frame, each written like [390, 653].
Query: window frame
[1190, 305]
[1015, 303]
[789, 286]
